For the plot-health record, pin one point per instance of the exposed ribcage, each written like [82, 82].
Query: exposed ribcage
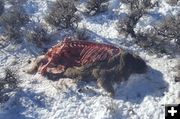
[75, 53]
[88, 52]
[93, 54]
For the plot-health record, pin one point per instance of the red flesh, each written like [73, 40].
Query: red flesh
[75, 53]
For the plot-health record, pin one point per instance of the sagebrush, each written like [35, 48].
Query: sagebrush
[81, 34]
[13, 20]
[172, 2]
[96, 6]
[166, 36]
[137, 9]
[165, 39]
[127, 24]
[1, 7]
[8, 84]
[62, 14]
[37, 35]
[139, 4]
[16, 2]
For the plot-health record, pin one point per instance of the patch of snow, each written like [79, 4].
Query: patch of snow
[142, 96]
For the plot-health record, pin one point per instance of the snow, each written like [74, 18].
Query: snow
[141, 97]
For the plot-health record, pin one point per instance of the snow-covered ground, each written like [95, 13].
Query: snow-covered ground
[141, 97]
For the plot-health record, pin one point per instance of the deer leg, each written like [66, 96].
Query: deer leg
[43, 70]
[106, 85]
[103, 80]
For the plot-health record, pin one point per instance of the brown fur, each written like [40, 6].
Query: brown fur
[107, 72]
[117, 69]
